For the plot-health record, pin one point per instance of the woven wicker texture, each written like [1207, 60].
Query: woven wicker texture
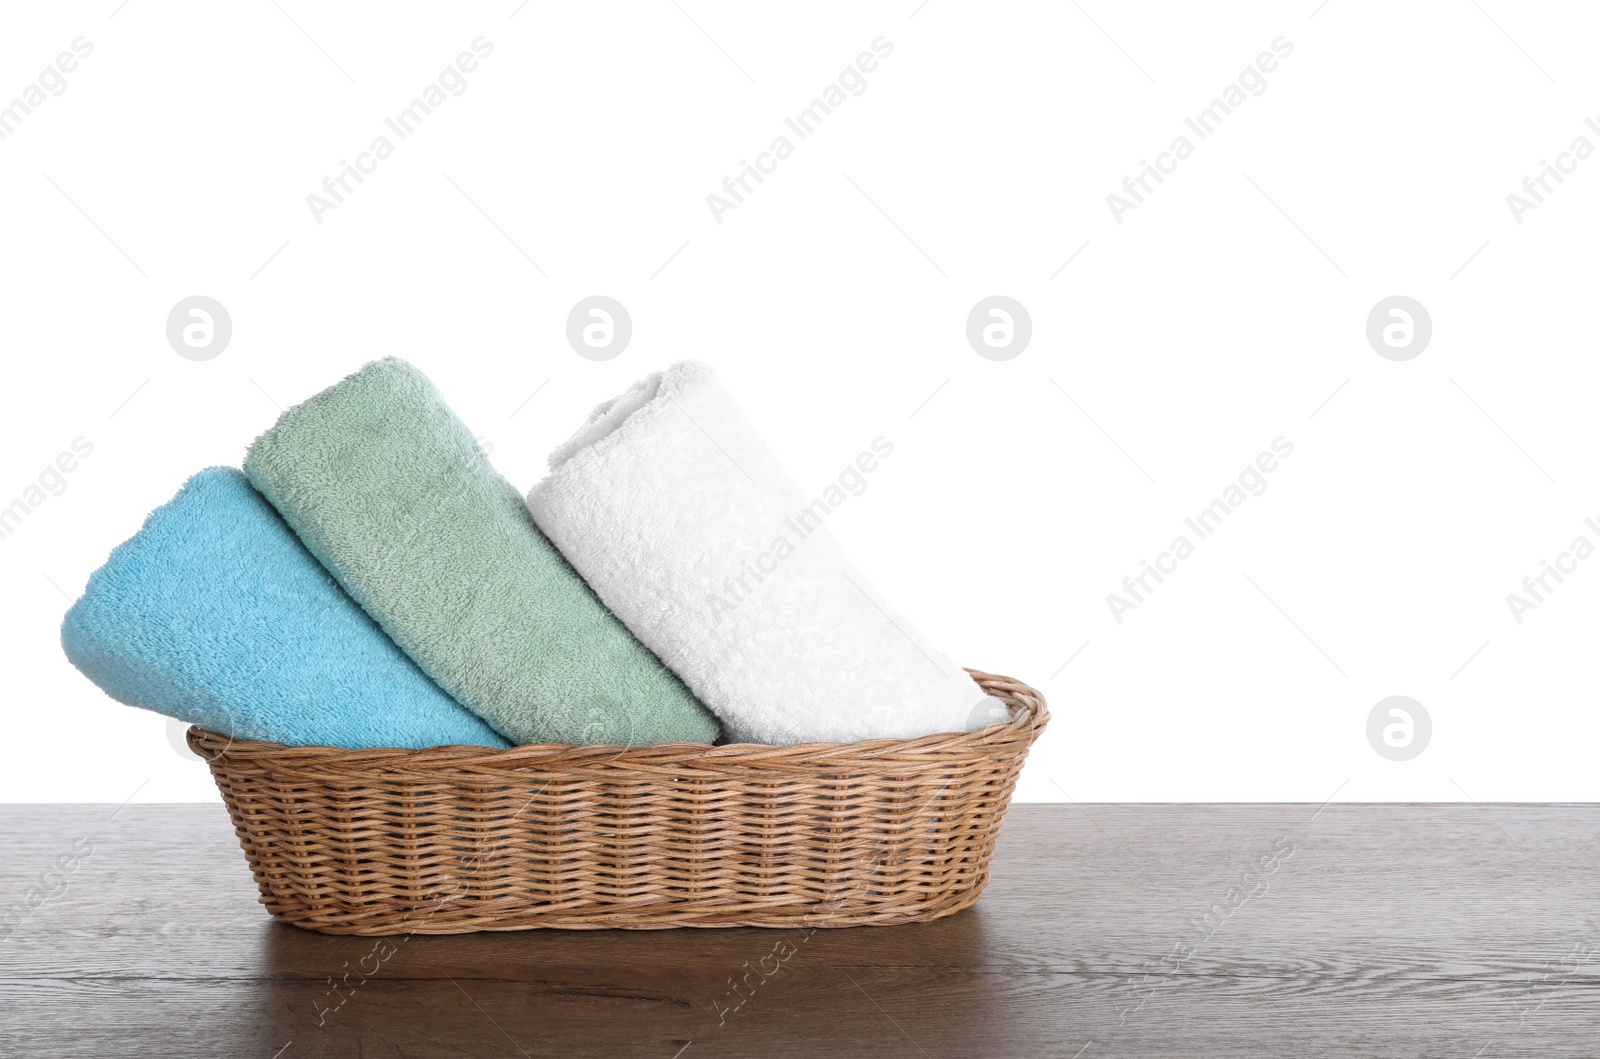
[455, 839]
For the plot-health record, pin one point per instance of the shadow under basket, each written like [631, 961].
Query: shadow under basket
[450, 840]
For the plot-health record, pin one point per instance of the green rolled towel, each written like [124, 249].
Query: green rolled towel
[389, 489]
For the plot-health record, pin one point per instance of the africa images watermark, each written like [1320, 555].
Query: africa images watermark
[452, 80]
[1542, 987]
[340, 992]
[852, 481]
[885, 853]
[1202, 524]
[852, 79]
[1252, 80]
[1209, 922]
[1536, 587]
[1536, 188]
[52, 883]
[383, 950]
[51, 482]
[53, 79]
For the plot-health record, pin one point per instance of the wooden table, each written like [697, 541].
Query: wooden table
[1108, 930]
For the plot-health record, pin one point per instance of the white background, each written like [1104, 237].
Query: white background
[1220, 314]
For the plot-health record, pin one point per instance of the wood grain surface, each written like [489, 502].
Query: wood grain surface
[1108, 930]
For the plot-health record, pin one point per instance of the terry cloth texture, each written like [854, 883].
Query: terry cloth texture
[673, 507]
[391, 491]
[215, 614]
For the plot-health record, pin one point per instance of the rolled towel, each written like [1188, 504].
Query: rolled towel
[215, 614]
[676, 511]
[391, 491]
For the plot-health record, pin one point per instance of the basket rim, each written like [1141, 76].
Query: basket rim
[1029, 716]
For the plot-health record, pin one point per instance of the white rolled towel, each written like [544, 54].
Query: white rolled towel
[676, 512]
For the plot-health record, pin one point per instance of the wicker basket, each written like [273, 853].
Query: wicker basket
[456, 839]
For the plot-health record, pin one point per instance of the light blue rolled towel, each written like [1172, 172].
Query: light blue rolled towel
[215, 613]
